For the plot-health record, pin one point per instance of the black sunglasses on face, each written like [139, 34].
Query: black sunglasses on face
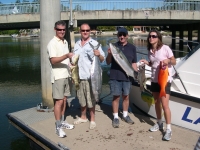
[153, 36]
[120, 34]
[85, 30]
[60, 29]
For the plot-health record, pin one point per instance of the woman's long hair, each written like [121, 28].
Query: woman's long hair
[159, 44]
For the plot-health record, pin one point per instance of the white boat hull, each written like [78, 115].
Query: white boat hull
[185, 113]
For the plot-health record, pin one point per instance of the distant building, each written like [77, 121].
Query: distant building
[139, 29]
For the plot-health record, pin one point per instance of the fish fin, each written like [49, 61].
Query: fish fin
[91, 45]
[162, 93]
[98, 45]
[94, 47]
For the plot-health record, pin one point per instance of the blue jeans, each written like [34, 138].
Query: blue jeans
[119, 87]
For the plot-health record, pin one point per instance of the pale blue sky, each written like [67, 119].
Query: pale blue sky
[7, 1]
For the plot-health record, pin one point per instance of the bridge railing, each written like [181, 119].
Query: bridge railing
[24, 8]
[131, 5]
[19, 8]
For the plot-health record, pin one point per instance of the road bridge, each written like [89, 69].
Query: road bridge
[110, 18]
[179, 16]
[108, 13]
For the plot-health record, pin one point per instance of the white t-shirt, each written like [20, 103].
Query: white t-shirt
[57, 48]
[164, 53]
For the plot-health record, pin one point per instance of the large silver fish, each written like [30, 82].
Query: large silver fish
[122, 60]
[96, 75]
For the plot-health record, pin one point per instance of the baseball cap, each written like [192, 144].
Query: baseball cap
[122, 30]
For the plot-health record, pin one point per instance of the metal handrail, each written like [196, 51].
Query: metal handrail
[113, 5]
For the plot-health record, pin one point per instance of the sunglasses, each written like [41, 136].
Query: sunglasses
[120, 34]
[85, 30]
[60, 29]
[153, 36]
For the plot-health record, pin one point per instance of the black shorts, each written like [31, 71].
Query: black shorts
[155, 87]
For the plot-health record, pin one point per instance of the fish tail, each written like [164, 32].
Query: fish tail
[162, 93]
[77, 86]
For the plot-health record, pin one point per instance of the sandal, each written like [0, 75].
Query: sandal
[80, 120]
[92, 125]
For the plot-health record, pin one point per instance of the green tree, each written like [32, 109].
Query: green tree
[129, 28]
[9, 32]
[106, 28]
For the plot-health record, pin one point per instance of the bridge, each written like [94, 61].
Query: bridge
[107, 13]
[178, 16]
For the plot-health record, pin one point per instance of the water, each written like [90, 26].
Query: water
[20, 82]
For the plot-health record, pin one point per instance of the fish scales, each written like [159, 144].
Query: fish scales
[96, 75]
[146, 95]
[162, 79]
[122, 60]
[74, 71]
[141, 77]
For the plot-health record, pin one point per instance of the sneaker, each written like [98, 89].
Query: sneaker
[65, 125]
[115, 123]
[156, 127]
[128, 120]
[168, 135]
[60, 132]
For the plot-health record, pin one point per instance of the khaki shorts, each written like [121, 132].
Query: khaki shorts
[85, 95]
[61, 88]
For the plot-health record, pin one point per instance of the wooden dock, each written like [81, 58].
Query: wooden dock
[40, 128]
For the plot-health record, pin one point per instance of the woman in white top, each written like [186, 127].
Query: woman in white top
[160, 54]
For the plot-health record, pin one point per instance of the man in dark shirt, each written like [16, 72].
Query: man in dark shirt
[120, 83]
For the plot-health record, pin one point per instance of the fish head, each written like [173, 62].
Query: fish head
[74, 59]
[141, 67]
[162, 66]
[114, 49]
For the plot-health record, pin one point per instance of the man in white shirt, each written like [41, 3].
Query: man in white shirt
[60, 75]
[86, 55]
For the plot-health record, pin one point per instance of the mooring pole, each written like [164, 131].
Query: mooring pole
[71, 32]
[49, 14]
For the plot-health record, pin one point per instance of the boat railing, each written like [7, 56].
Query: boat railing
[187, 42]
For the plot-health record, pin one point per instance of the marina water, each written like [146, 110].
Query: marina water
[20, 81]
